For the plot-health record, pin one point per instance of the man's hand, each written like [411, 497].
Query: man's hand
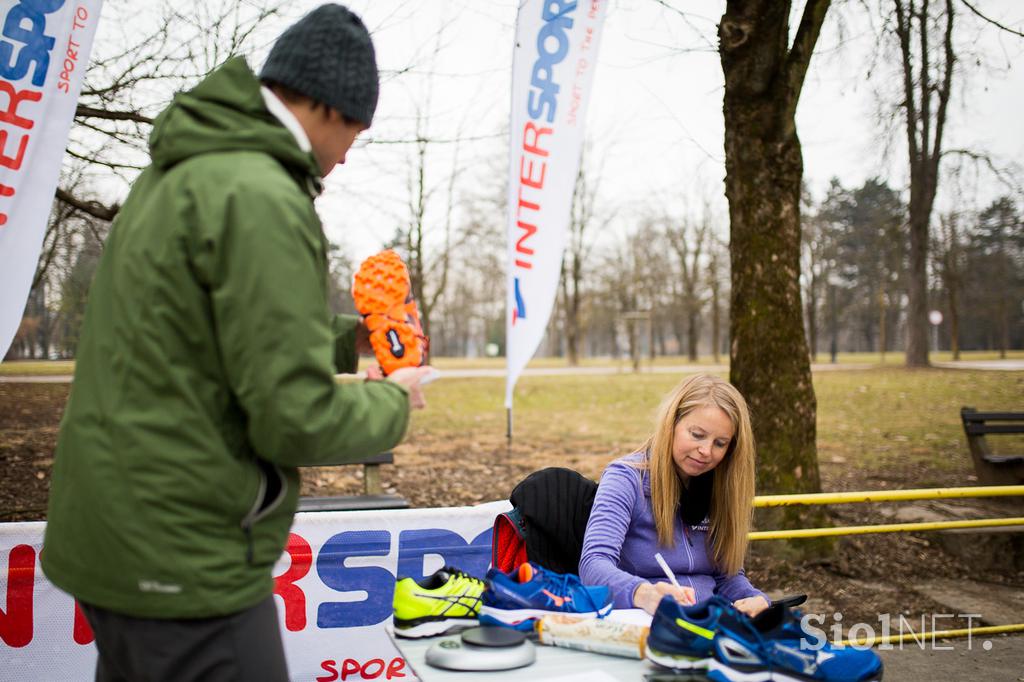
[648, 595]
[751, 606]
[410, 378]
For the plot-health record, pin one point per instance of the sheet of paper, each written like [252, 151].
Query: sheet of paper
[630, 616]
[592, 675]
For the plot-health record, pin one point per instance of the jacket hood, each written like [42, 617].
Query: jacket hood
[225, 113]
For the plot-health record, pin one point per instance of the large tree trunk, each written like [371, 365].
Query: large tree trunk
[764, 164]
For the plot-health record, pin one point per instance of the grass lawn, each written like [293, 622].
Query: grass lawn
[870, 418]
[881, 417]
[874, 417]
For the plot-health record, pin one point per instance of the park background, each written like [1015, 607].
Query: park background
[650, 231]
[646, 281]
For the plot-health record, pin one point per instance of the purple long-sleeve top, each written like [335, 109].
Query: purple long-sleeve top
[621, 540]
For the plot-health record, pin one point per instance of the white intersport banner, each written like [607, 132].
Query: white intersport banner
[44, 51]
[334, 586]
[552, 73]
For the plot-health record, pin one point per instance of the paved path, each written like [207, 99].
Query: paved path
[998, 365]
[952, 659]
[35, 379]
[978, 658]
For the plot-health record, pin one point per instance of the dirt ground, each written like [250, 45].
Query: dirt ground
[859, 576]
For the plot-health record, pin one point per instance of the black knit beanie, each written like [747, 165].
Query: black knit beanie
[328, 56]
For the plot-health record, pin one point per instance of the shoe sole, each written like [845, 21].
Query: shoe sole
[523, 619]
[719, 672]
[436, 627]
[677, 661]
[381, 284]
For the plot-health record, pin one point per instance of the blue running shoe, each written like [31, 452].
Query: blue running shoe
[768, 649]
[681, 636]
[517, 599]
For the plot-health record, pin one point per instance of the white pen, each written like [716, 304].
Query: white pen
[668, 571]
[664, 566]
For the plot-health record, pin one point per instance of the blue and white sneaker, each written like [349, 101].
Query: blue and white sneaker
[519, 598]
[681, 636]
[768, 649]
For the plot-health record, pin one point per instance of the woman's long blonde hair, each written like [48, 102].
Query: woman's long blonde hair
[732, 494]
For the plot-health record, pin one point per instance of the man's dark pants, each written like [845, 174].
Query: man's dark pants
[242, 646]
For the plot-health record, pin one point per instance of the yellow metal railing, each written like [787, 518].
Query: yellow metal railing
[764, 501]
[933, 635]
[888, 495]
[882, 528]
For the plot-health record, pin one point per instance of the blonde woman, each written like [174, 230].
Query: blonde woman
[686, 494]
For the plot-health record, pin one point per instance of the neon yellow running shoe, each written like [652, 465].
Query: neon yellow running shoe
[447, 600]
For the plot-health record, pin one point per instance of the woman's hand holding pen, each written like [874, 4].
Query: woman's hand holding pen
[648, 595]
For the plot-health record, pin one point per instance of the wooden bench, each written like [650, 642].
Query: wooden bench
[373, 496]
[992, 468]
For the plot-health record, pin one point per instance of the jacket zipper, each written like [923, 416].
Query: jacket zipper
[255, 513]
[689, 558]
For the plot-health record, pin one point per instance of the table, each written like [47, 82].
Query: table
[553, 663]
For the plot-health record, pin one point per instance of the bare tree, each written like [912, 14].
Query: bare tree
[429, 266]
[470, 313]
[927, 84]
[814, 261]
[764, 76]
[148, 53]
[630, 285]
[649, 266]
[997, 248]
[131, 77]
[583, 222]
[687, 242]
[46, 320]
[718, 255]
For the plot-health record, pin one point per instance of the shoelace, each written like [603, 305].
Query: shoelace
[451, 570]
[564, 583]
[763, 642]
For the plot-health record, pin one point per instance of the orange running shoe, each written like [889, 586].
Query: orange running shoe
[383, 296]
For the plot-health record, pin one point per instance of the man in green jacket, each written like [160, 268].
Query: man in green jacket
[205, 372]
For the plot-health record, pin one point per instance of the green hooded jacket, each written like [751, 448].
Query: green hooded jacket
[205, 372]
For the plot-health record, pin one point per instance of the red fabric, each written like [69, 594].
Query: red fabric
[508, 548]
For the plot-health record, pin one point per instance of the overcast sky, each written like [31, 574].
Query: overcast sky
[655, 121]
